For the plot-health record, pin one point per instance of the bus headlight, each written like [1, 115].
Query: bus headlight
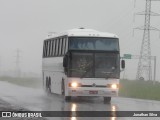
[73, 84]
[114, 86]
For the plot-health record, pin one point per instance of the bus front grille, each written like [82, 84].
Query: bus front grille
[93, 86]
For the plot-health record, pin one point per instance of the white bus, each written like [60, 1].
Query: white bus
[82, 62]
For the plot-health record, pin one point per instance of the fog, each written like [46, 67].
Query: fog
[25, 24]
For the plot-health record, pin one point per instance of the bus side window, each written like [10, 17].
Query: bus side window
[44, 48]
[57, 43]
[48, 48]
[63, 46]
[60, 46]
[53, 48]
[66, 45]
[65, 61]
[49, 54]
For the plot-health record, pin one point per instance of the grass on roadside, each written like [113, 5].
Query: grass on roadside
[128, 88]
[139, 89]
[23, 81]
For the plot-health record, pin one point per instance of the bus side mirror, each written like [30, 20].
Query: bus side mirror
[65, 61]
[123, 64]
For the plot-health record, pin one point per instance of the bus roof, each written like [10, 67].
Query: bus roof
[83, 32]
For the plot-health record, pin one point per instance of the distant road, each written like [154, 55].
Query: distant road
[37, 100]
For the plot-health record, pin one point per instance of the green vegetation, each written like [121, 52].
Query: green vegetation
[24, 81]
[140, 89]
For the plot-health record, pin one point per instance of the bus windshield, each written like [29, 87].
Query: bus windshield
[93, 43]
[94, 65]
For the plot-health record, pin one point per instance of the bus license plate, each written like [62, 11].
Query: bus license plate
[93, 92]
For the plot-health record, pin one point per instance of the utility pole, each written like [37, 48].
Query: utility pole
[18, 70]
[144, 70]
[154, 80]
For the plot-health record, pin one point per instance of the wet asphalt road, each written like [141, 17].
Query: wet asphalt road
[38, 100]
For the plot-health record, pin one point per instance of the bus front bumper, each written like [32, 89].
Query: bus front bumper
[106, 92]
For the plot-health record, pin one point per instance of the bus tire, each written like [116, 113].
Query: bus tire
[48, 86]
[62, 87]
[107, 99]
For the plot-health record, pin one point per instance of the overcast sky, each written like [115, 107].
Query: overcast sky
[24, 24]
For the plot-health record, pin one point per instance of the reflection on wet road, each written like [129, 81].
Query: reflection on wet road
[36, 99]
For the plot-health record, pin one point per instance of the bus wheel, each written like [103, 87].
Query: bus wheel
[48, 86]
[62, 87]
[67, 98]
[107, 99]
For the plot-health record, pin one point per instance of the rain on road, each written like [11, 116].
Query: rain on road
[38, 100]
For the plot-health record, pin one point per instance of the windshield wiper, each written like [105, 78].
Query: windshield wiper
[81, 70]
[108, 74]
